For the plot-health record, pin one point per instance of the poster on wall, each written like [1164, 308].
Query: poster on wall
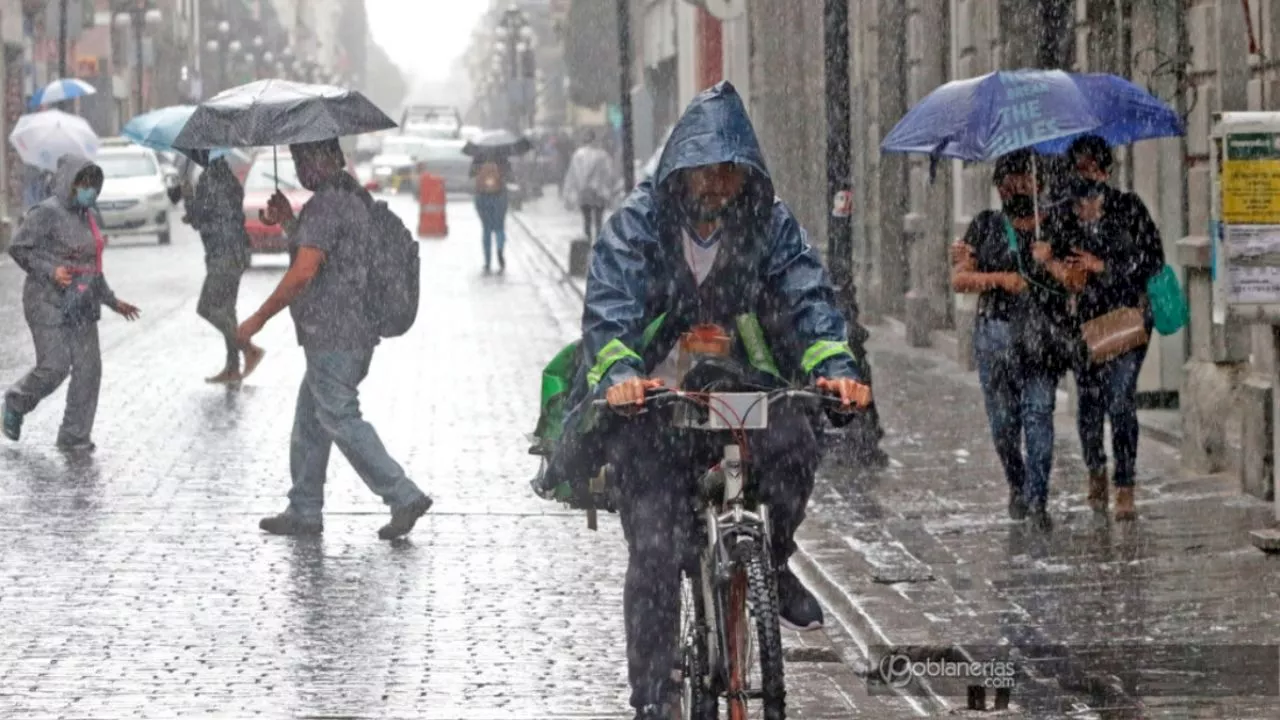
[1247, 244]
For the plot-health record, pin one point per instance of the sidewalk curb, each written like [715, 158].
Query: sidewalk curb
[561, 265]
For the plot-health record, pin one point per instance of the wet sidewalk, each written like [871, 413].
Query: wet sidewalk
[923, 554]
[1109, 618]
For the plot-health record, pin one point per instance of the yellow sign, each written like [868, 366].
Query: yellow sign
[1251, 180]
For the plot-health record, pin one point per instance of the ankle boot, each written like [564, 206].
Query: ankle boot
[1125, 509]
[1098, 487]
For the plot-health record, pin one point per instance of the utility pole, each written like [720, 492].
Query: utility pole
[839, 155]
[139, 26]
[62, 39]
[624, 98]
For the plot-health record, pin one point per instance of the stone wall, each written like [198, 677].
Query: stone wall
[788, 106]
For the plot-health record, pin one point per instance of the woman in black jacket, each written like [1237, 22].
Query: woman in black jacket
[1016, 265]
[1118, 244]
[217, 212]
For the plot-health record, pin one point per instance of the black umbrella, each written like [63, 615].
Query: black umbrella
[279, 112]
[497, 144]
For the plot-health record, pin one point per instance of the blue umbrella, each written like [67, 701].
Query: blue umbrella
[60, 90]
[982, 118]
[158, 129]
[1127, 113]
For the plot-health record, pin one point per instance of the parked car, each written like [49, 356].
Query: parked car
[135, 191]
[369, 146]
[394, 173]
[444, 159]
[265, 175]
[172, 176]
[403, 144]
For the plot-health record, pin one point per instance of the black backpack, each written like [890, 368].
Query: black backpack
[394, 271]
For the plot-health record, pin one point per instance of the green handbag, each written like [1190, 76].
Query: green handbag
[1168, 303]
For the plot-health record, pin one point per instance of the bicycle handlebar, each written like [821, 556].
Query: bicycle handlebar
[659, 396]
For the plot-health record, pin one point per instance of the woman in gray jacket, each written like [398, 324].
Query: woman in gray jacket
[60, 248]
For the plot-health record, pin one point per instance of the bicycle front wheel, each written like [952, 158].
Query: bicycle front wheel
[754, 640]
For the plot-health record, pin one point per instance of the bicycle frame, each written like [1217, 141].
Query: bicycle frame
[733, 589]
[734, 530]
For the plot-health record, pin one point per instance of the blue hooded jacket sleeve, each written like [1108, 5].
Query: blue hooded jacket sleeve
[617, 282]
[794, 274]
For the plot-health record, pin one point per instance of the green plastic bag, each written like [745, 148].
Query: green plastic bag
[1168, 304]
[557, 381]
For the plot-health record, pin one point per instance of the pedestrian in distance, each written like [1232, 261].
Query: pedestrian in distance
[590, 183]
[327, 290]
[217, 212]
[37, 186]
[1024, 337]
[1117, 243]
[491, 175]
[60, 248]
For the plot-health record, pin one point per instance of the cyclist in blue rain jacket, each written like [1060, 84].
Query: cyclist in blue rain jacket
[705, 241]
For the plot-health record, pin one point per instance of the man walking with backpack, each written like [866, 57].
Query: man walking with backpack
[338, 256]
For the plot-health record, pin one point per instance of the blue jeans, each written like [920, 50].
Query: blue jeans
[1019, 402]
[328, 414]
[1110, 390]
[492, 208]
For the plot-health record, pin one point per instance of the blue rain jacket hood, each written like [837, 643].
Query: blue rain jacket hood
[764, 266]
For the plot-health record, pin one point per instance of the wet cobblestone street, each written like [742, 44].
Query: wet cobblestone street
[135, 583]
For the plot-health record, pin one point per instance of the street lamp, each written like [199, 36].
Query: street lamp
[220, 47]
[514, 46]
[139, 16]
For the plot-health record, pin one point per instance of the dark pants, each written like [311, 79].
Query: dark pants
[592, 218]
[1107, 391]
[1019, 401]
[217, 305]
[656, 468]
[492, 208]
[61, 351]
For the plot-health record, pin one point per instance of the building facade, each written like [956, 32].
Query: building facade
[1200, 56]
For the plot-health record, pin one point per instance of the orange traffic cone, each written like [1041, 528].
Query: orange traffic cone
[431, 205]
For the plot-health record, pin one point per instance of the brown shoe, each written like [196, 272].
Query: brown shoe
[1098, 487]
[1125, 509]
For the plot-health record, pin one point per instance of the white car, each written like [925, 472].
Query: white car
[134, 197]
[393, 173]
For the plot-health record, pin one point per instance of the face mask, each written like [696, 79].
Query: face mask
[86, 196]
[1020, 206]
[696, 212]
[1085, 188]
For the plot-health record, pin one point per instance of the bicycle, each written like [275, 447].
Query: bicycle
[729, 598]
